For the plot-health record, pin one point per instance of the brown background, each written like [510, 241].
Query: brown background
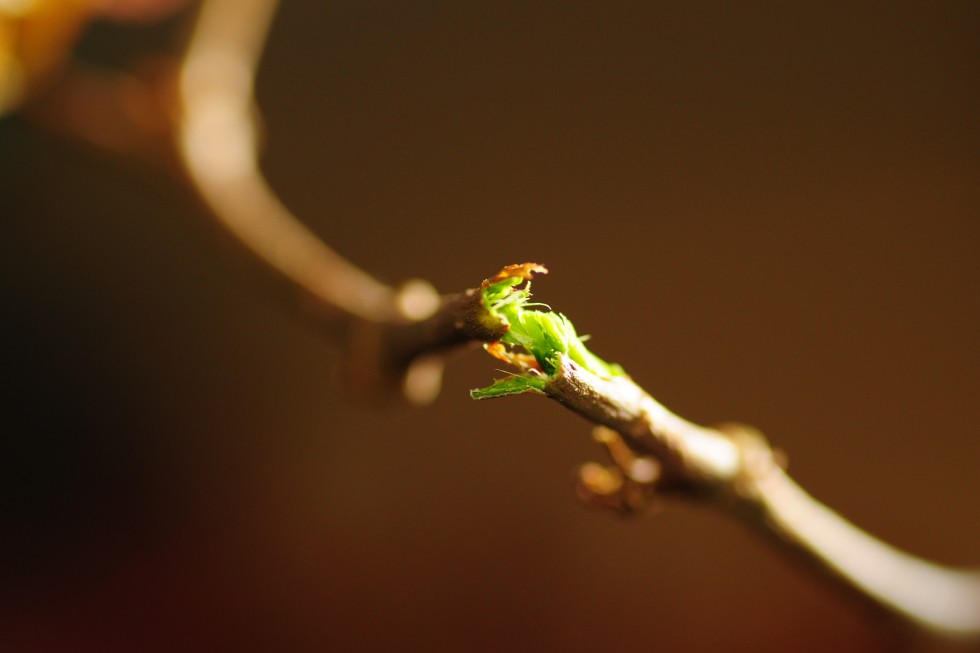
[768, 212]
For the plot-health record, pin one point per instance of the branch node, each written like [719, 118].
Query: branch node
[626, 487]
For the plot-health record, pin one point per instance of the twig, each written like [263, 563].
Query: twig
[939, 600]
[389, 344]
[217, 142]
[735, 468]
[201, 114]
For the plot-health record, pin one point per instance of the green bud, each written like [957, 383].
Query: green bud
[544, 334]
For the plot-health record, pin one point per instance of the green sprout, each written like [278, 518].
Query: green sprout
[543, 336]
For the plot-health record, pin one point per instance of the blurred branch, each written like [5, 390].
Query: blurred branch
[217, 142]
[200, 116]
[395, 335]
[940, 601]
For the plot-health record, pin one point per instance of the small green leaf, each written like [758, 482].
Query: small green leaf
[544, 334]
[513, 385]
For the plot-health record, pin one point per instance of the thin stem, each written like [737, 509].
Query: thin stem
[737, 469]
[691, 454]
[937, 599]
[217, 143]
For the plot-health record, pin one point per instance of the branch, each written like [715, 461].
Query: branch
[736, 469]
[217, 143]
[655, 451]
[395, 336]
[940, 601]
[200, 113]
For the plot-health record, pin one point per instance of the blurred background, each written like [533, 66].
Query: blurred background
[767, 213]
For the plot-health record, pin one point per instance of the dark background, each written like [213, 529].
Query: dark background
[768, 213]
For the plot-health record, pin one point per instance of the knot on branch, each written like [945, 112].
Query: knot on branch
[636, 480]
[407, 353]
[758, 459]
[628, 486]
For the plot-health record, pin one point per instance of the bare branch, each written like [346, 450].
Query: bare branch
[218, 145]
[382, 355]
[735, 468]
[937, 599]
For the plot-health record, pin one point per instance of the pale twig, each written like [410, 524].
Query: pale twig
[217, 142]
[735, 467]
[218, 145]
[937, 599]
[212, 131]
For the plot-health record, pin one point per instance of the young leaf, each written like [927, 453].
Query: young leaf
[543, 334]
[514, 385]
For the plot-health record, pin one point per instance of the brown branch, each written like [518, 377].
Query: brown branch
[198, 117]
[736, 469]
[395, 336]
[941, 601]
[382, 355]
[217, 143]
